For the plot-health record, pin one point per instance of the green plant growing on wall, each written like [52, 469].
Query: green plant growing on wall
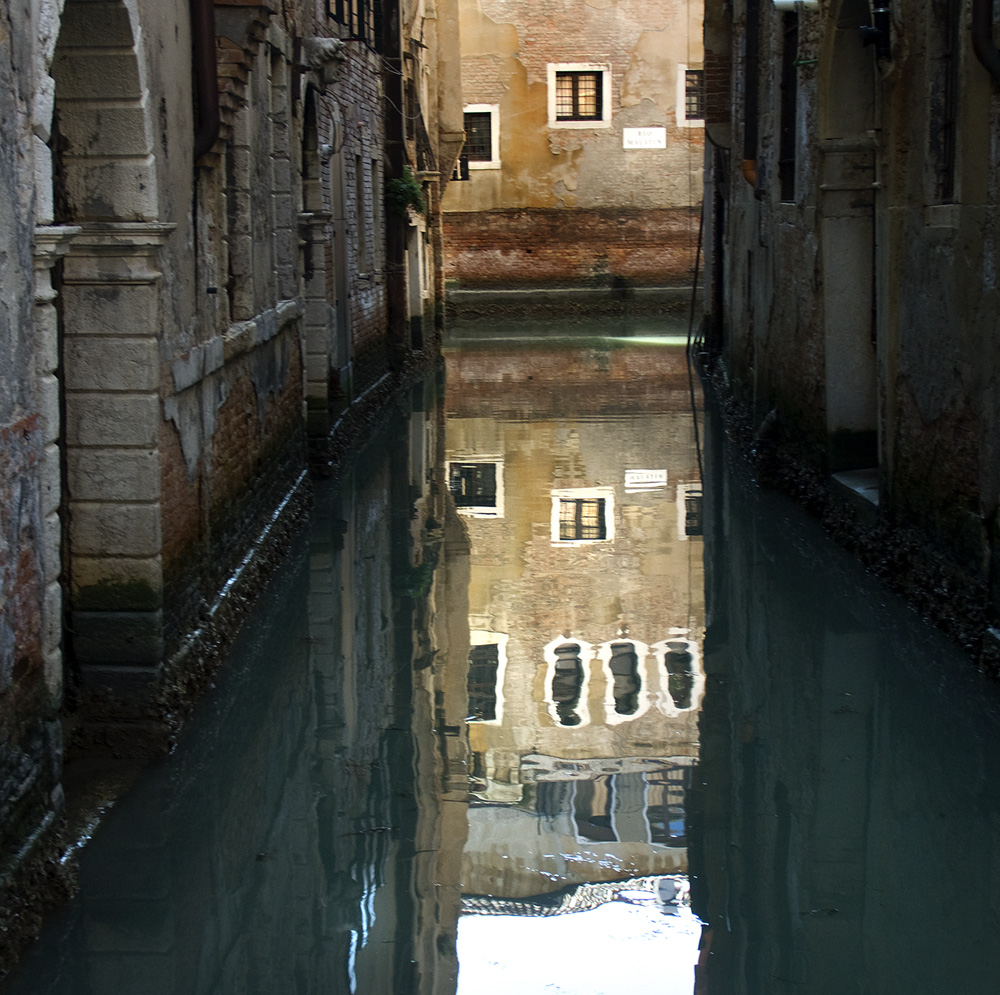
[404, 191]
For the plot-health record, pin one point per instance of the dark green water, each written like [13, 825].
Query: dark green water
[538, 705]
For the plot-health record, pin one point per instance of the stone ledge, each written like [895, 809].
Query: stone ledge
[240, 338]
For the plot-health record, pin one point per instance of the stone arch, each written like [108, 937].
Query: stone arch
[102, 143]
[847, 217]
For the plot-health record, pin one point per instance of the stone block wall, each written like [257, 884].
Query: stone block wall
[176, 317]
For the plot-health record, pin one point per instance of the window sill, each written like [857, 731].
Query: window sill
[578, 125]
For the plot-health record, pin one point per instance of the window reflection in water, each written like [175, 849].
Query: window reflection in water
[593, 577]
[624, 666]
[567, 684]
[680, 680]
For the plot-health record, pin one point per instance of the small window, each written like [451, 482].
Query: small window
[692, 514]
[667, 806]
[567, 684]
[478, 136]
[626, 683]
[361, 18]
[484, 662]
[690, 502]
[482, 138]
[578, 97]
[690, 97]
[474, 484]
[679, 665]
[694, 94]
[477, 487]
[582, 515]
[593, 810]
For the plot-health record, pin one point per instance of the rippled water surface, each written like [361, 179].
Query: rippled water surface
[551, 699]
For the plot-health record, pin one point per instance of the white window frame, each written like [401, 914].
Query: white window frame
[480, 510]
[494, 112]
[587, 494]
[660, 650]
[486, 637]
[683, 121]
[583, 706]
[682, 492]
[580, 67]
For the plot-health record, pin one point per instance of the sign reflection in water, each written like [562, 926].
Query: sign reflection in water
[575, 480]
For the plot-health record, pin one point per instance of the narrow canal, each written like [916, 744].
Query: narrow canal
[551, 699]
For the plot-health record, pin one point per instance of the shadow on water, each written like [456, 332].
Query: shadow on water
[534, 707]
[848, 808]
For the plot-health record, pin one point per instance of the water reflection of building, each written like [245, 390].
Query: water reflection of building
[575, 474]
[287, 846]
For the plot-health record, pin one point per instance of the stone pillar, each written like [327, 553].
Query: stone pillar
[111, 369]
[51, 244]
[320, 323]
[847, 234]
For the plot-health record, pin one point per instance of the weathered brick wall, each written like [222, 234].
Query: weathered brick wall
[538, 247]
[216, 504]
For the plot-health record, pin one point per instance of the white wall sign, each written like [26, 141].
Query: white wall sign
[645, 480]
[644, 138]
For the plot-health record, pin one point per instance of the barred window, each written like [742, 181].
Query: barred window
[361, 18]
[579, 96]
[694, 94]
[479, 136]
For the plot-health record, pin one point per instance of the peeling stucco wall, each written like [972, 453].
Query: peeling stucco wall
[504, 62]
[507, 52]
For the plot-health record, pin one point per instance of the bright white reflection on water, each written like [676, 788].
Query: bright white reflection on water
[615, 948]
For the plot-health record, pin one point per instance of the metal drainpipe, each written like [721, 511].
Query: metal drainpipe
[982, 37]
[205, 76]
